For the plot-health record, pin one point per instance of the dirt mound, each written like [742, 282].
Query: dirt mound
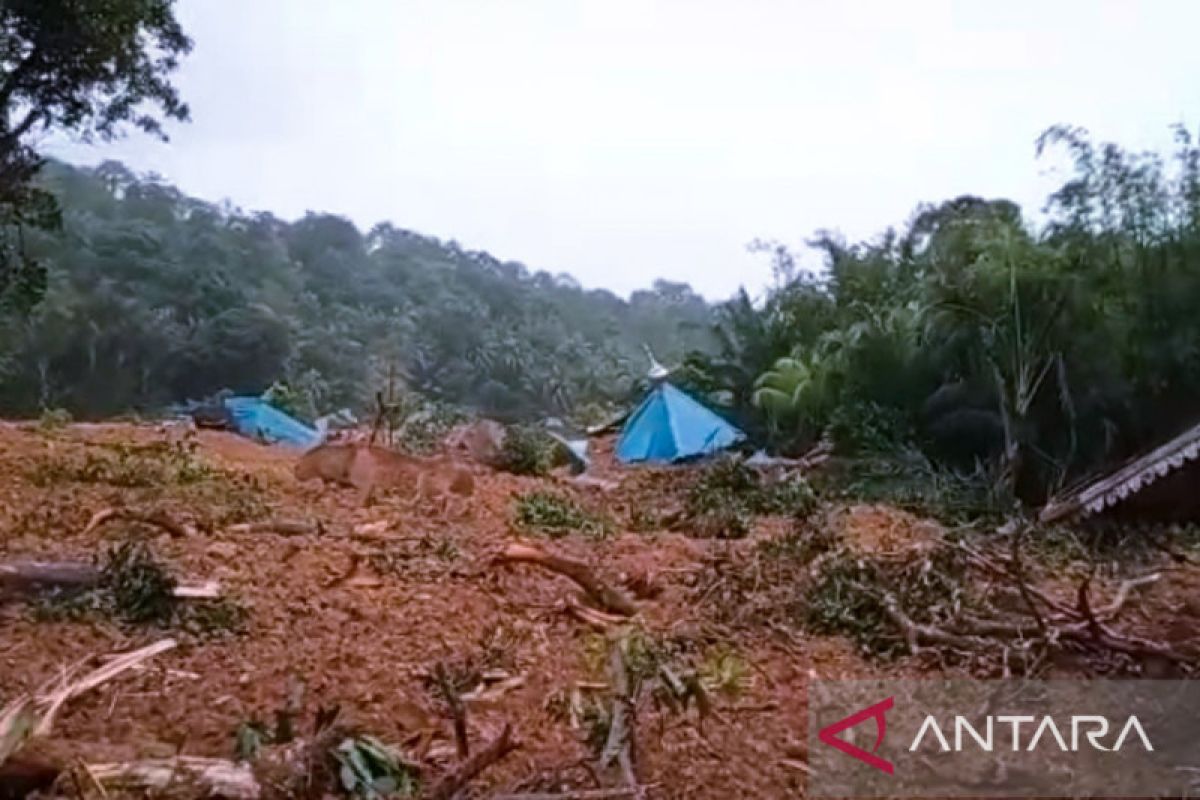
[359, 605]
[882, 529]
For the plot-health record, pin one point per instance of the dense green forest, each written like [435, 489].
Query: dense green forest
[972, 339]
[976, 340]
[156, 297]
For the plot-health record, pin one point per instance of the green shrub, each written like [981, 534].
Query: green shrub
[127, 466]
[556, 515]
[54, 418]
[138, 589]
[527, 450]
[846, 595]
[141, 588]
[728, 494]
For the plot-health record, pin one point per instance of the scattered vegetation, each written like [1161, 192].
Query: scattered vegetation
[557, 515]
[908, 479]
[846, 594]
[156, 464]
[136, 588]
[53, 419]
[724, 672]
[370, 769]
[527, 450]
[724, 500]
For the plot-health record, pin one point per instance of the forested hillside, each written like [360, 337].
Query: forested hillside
[973, 338]
[157, 297]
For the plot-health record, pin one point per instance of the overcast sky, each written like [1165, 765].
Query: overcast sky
[625, 140]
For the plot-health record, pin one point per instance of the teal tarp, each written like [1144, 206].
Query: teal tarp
[671, 426]
[258, 419]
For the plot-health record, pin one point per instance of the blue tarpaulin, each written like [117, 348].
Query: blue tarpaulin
[670, 426]
[258, 419]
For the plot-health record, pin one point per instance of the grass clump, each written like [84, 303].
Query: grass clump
[53, 419]
[724, 500]
[556, 515]
[127, 466]
[725, 672]
[527, 450]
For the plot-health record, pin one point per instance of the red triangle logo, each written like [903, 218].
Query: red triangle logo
[878, 712]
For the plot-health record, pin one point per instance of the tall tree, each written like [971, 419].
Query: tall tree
[88, 67]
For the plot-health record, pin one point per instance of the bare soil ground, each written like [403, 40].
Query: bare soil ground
[360, 613]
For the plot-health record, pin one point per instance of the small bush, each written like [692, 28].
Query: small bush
[138, 589]
[725, 672]
[370, 769]
[793, 497]
[53, 419]
[556, 515]
[527, 450]
[722, 503]
[142, 590]
[907, 479]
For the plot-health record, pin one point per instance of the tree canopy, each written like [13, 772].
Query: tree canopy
[88, 67]
[157, 297]
[985, 341]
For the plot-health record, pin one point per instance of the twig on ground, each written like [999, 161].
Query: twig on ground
[615, 793]
[450, 784]
[158, 518]
[457, 712]
[283, 527]
[217, 777]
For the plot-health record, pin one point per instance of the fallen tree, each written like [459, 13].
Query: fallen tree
[26, 579]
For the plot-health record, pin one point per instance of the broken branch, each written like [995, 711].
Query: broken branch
[457, 711]
[609, 598]
[158, 519]
[217, 777]
[449, 784]
[614, 793]
[27, 578]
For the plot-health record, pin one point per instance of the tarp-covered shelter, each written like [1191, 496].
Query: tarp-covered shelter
[670, 426]
[257, 419]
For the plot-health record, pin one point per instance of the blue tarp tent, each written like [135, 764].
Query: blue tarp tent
[670, 426]
[258, 419]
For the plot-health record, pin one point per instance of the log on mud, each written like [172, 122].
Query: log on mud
[188, 775]
[26, 579]
[157, 519]
[609, 598]
[452, 782]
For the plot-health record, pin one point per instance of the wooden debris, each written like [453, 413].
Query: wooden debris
[25, 578]
[609, 598]
[457, 712]
[158, 518]
[215, 776]
[68, 690]
[483, 695]
[620, 745]
[591, 616]
[451, 783]
[282, 527]
[615, 793]
[22, 579]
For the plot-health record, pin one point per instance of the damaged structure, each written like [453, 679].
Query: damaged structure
[1159, 486]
